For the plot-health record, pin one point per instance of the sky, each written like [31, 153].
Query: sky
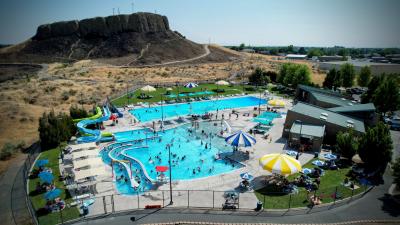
[324, 23]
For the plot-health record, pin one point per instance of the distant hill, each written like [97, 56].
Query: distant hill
[135, 39]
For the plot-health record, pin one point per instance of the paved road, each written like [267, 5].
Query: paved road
[13, 206]
[373, 206]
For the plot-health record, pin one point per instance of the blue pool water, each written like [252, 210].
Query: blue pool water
[191, 94]
[200, 107]
[267, 117]
[188, 154]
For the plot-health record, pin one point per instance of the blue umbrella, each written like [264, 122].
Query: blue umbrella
[42, 162]
[190, 85]
[307, 170]
[246, 176]
[46, 177]
[241, 139]
[51, 195]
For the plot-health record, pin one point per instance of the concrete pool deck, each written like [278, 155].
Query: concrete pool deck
[218, 183]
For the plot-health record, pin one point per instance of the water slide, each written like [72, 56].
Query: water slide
[94, 135]
[114, 109]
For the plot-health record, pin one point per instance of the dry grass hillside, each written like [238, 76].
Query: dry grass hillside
[59, 85]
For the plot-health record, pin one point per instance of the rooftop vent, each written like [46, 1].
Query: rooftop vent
[343, 99]
[350, 104]
[323, 117]
[324, 114]
[350, 123]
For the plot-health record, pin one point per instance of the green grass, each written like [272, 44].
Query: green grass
[38, 201]
[329, 182]
[229, 90]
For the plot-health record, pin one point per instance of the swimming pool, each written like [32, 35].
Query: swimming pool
[192, 94]
[199, 107]
[267, 117]
[189, 156]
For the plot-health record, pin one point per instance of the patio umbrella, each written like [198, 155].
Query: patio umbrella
[280, 164]
[46, 177]
[51, 195]
[276, 103]
[357, 159]
[42, 162]
[246, 176]
[222, 82]
[169, 89]
[148, 88]
[241, 139]
[161, 168]
[190, 85]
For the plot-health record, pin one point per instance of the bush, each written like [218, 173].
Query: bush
[7, 151]
[76, 113]
[65, 96]
[396, 171]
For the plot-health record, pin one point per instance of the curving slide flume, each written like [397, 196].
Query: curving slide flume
[94, 135]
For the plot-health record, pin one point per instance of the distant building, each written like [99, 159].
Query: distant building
[376, 68]
[330, 58]
[296, 57]
[248, 50]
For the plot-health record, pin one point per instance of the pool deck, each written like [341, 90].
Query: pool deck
[222, 182]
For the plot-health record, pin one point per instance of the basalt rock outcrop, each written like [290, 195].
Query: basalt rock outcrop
[104, 26]
[142, 38]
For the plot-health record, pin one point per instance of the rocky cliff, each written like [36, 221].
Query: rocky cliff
[104, 26]
[139, 38]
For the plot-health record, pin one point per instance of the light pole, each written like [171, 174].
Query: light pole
[170, 174]
[259, 104]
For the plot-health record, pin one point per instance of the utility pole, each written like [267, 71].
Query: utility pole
[113, 11]
[132, 8]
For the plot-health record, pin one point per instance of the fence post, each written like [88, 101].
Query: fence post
[290, 200]
[188, 198]
[264, 204]
[138, 200]
[163, 199]
[213, 198]
[335, 195]
[61, 217]
[239, 201]
[112, 204]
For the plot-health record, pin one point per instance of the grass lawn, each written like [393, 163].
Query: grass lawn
[229, 90]
[329, 182]
[38, 201]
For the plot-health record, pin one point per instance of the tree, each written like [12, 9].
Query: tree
[347, 143]
[259, 77]
[375, 148]
[314, 52]
[372, 86]
[272, 75]
[76, 113]
[387, 96]
[302, 75]
[330, 78]
[290, 49]
[396, 171]
[241, 46]
[347, 74]
[364, 77]
[302, 51]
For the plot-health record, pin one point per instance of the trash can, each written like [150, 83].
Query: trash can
[85, 210]
[259, 206]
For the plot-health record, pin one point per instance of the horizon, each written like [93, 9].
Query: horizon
[257, 23]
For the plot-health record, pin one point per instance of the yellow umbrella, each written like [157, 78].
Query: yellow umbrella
[276, 103]
[280, 164]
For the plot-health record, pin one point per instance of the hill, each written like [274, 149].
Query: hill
[135, 39]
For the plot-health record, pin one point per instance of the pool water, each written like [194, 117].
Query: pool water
[191, 94]
[189, 155]
[266, 118]
[199, 107]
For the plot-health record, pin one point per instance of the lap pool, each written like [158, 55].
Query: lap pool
[192, 155]
[199, 107]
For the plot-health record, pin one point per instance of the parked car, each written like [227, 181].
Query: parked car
[393, 122]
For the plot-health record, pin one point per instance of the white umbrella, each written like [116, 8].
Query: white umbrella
[169, 89]
[241, 139]
[148, 88]
[222, 82]
[190, 85]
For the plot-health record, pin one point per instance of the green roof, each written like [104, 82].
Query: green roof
[338, 101]
[328, 116]
[307, 129]
[319, 90]
[354, 108]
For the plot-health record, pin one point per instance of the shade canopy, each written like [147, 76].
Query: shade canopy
[280, 164]
[246, 176]
[148, 88]
[46, 177]
[42, 162]
[191, 85]
[161, 168]
[222, 82]
[241, 139]
[276, 103]
[51, 195]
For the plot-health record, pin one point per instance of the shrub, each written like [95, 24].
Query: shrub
[7, 151]
[65, 96]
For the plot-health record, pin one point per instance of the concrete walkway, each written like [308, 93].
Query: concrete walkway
[375, 205]
[13, 208]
